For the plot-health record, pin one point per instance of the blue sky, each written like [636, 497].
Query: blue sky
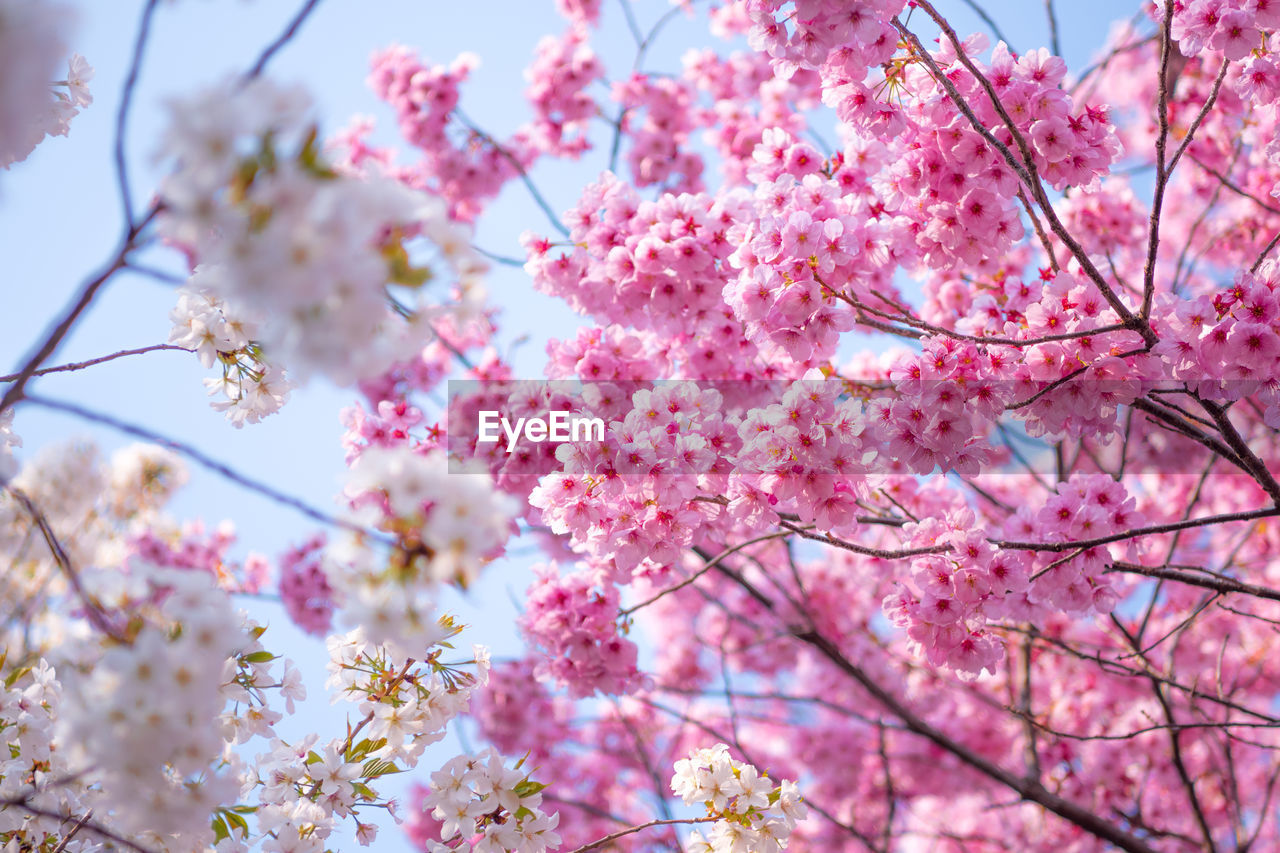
[59, 218]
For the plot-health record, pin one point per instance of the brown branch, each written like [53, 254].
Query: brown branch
[291, 29]
[81, 365]
[614, 836]
[1217, 583]
[79, 304]
[24, 804]
[1058, 547]
[708, 566]
[1028, 789]
[212, 464]
[94, 611]
[1175, 744]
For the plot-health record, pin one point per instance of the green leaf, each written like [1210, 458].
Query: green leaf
[259, 657]
[379, 767]
[237, 822]
[220, 830]
[363, 748]
[313, 757]
[400, 269]
[15, 675]
[528, 787]
[309, 157]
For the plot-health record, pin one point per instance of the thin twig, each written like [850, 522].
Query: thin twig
[122, 113]
[537, 195]
[209, 463]
[600, 842]
[290, 30]
[81, 365]
[37, 811]
[78, 305]
[1054, 44]
[706, 567]
[93, 610]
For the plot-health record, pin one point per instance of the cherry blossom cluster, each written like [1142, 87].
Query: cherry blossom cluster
[945, 404]
[33, 104]
[747, 100]
[191, 546]
[805, 454]
[573, 619]
[305, 591]
[483, 805]
[804, 243]
[1049, 371]
[956, 593]
[1230, 28]
[465, 175]
[443, 529]
[805, 37]
[635, 258]
[565, 67]
[305, 254]
[1226, 346]
[752, 813]
[1088, 506]
[304, 788]
[249, 388]
[632, 498]
[29, 707]
[659, 154]
[144, 718]
[94, 508]
[953, 189]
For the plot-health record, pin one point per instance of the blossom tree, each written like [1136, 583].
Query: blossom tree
[926, 494]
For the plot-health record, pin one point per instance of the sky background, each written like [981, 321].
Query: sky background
[60, 218]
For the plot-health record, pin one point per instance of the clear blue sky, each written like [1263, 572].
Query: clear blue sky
[59, 218]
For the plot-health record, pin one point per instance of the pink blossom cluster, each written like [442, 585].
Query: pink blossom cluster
[1227, 346]
[805, 454]
[304, 587]
[659, 153]
[632, 497]
[806, 35]
[955, 593]
[389, 426]
[746, 100]
[803, 252]
[1086, 507]
[972, 581]
[193, 547]
[597, 354]
[947, 399]
[658, 266]
[953, 189]
[424, 98]
[1230, 27]
[573, 618]
[558, 79]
